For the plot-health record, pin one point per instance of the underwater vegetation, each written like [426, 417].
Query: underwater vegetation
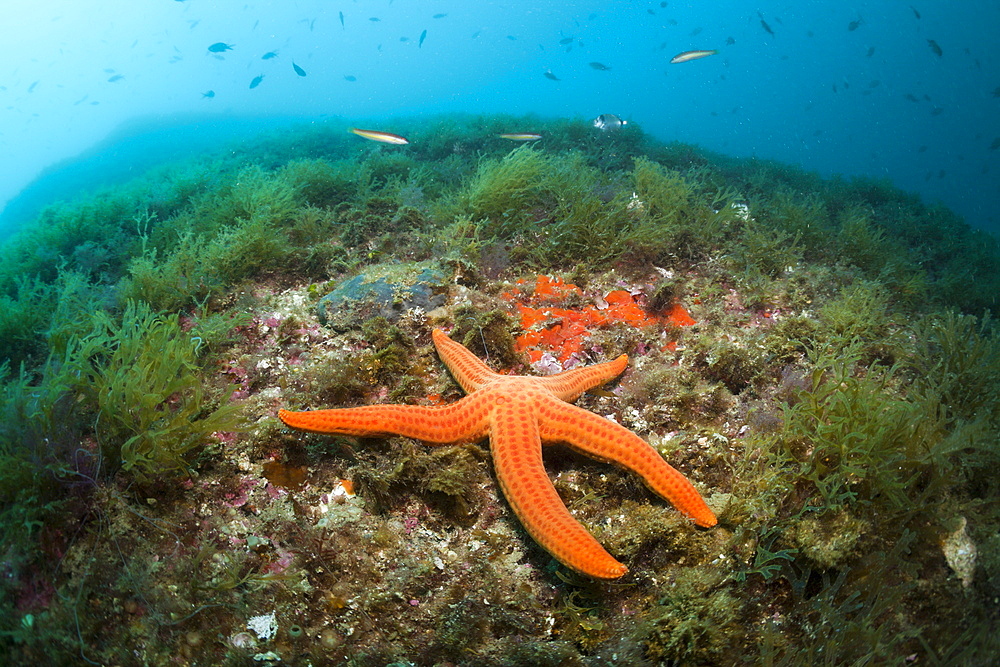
[818, 356]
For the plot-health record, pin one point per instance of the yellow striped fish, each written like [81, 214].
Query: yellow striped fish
[692, 55]
[521, 136]
[384, 137]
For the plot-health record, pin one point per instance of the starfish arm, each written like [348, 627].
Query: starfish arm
[517, 459]
[463, 421]
[605, 440]
[465, 367]
[569, 385]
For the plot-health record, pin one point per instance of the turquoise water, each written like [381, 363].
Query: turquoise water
[884, 89]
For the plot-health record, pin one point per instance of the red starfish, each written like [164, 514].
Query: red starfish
[519, 413]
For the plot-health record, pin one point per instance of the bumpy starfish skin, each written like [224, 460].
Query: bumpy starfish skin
[519, 413]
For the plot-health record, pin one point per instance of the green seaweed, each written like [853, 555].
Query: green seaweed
[142, 375]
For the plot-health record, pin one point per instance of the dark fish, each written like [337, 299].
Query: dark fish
[663, 5]
[996, 92]
[608, 122]
[342, 20]
[915, 12]
[566, 40]
[766, 27]
[269, 55]
[550, 75]
[439, 16]
[404, 39]
[350, 77]
[220, 47]
[695, 32]
[730, 41]
[937, 111]
[423, 36]
[854, 25]
[935, 48]
[374, 19]
[256, 81]
[922, 149]
[116, 77]
[298, 70]
[651, 12]
[911, 97]
[209, 94]
[600, 66]
[871, 51]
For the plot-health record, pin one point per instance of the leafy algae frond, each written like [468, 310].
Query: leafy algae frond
[143, 376]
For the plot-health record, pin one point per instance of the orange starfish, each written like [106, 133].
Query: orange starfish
[519, 413]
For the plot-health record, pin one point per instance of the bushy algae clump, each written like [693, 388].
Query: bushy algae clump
[817, 355]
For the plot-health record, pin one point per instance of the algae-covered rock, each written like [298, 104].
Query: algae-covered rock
[386, 291]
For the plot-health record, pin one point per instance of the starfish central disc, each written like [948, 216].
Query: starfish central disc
[519, 414]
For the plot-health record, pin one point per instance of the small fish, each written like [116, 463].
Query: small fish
[766, 27]
[871, 52]
[566, 40]
[608, 122]
[404, 39]
[512, 38]
[922, 149]
[855, 24]
[220, 47]
[384, 137]
[937, 111]
[269, 55]
[350, 77]
[911, 97]
[915, 12]
[116, 77]
[996, 92]
[423, 36]
[298, 70]
[685, 56]
[521, 136]
[995, 145]
[256, 81]
[935, 48]
[208, 94]
[476, 34]
[730, 41]
[439, 16]
[601, 67]
[342, 20]
[549, 75]
[374, 19]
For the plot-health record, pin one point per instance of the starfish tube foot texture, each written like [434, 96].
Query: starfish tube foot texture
[520, 414]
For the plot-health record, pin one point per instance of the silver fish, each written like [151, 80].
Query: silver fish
[608, 122]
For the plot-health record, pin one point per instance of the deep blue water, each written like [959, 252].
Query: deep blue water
[910, 92]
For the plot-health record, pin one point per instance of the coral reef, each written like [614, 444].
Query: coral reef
[818, 356]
